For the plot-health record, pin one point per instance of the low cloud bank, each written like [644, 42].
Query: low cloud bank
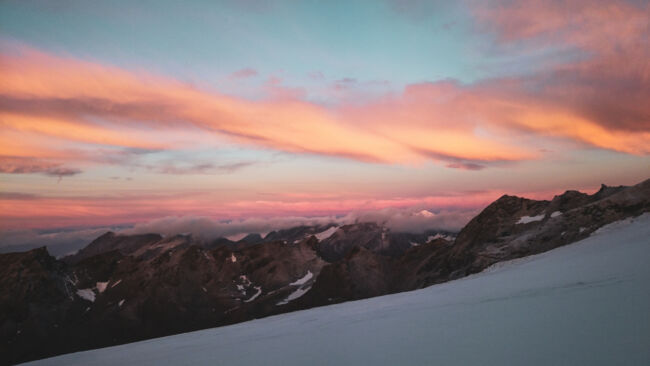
[414, 220]
[65, 241]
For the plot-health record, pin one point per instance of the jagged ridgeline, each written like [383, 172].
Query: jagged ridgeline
[121, 288]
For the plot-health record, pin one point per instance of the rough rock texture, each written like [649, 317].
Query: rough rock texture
[154, 291]
[111, 241]
[376, 238]
[498, 232]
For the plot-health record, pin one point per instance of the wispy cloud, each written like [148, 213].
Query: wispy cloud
[26, 165]
[133, 207]
[597, 100]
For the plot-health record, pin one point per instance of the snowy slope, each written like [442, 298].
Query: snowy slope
[583, 304]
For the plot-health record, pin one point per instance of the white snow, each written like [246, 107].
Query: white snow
[233, 259]
[414, 244]
[556, 214]
[86, 294]
[582, 229]
[101, 286]
[326, 234]
[294, 295]
[425, 213]
[582, 304]
[258, 293]
[120, 303]
[303, 280]
[527, 219]
[116, 283]
[440, 236]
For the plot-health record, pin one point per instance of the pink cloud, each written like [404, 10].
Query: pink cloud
[599, 100]
[41, 211]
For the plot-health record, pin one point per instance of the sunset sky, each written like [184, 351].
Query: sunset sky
[122, 112]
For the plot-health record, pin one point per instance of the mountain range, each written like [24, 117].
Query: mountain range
[124, 288]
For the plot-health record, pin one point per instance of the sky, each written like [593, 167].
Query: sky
[126, 113]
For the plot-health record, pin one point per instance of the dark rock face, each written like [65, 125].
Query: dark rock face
[112, 298]
[367, 235]
[219, 242]
[360, 275]
[297, 233]
[111, 241]
[34, 299]
[251, 239]
[373, 237]
[125, 288]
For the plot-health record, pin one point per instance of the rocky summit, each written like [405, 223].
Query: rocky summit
[124, 288]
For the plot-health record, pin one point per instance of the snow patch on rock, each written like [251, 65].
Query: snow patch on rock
[528, 219]
[86, 294]
[326, 234]
[101, 286]
[440, 236]
[302, 280]
[294, 295]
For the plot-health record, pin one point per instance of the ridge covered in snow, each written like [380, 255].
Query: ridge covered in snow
[581, 304]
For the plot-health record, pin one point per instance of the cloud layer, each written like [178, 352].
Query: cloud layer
[593, 97]
[62, 242]
[413, 220]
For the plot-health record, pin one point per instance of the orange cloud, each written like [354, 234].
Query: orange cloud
[28, 211]
[604, 87]
[600, 100]
[63, 98]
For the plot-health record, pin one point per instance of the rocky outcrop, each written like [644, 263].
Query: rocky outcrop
[513, 227]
